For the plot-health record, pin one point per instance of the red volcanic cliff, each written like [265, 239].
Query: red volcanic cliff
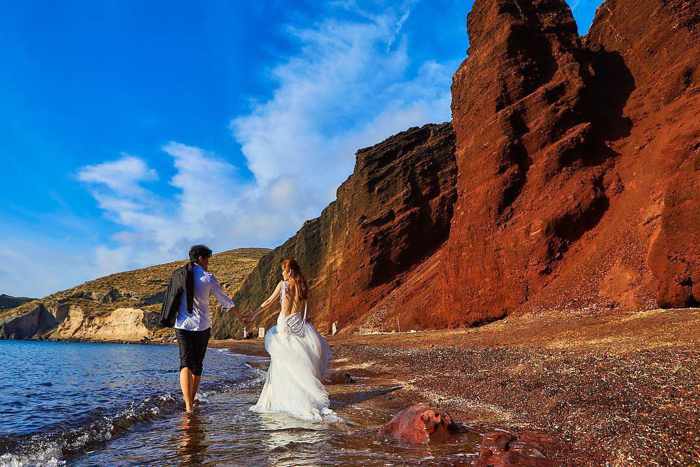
[390, 214]
[577, 160]
[577, 180]
[660, 158]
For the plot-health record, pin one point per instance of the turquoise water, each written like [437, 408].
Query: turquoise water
[114, 404]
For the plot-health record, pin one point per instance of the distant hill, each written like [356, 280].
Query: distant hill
[118, 307]
[8, 301]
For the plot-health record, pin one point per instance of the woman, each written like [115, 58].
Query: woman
[299, 356]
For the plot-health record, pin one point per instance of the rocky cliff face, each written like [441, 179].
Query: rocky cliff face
[584, 150]
[120, 307]
[391, 214]
[533, 123]
[28, 321]
[577, 180]
[577, 160]
[660, 156]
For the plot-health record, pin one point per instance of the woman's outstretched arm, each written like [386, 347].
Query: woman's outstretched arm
[272, 298]
[270, 301]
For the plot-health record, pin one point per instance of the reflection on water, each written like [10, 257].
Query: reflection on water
[110, 404]
[290, 441]
[222, 431]
[192, 439]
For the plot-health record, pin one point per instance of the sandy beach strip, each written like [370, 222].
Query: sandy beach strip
[622, 388]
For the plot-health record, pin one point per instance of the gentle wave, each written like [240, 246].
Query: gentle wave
[55, 446]
[52, 447]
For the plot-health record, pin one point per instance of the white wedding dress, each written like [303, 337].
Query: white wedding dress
[299, 358]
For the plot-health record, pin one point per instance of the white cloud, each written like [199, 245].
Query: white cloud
[122, 176]
[351, 85]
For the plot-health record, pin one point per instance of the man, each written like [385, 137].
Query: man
[186, 308]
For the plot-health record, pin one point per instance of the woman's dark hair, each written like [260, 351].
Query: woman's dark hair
[199, 250]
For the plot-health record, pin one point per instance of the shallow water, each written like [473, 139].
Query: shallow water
[112, 404]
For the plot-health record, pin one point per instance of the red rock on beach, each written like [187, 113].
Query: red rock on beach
[499, 448]
[419, 424]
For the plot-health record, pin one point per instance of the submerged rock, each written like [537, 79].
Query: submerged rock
[419, 424]
[500, 449]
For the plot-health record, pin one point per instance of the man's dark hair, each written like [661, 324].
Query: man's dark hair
[199, 250]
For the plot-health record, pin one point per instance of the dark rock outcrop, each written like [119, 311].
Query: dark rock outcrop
[32, 322]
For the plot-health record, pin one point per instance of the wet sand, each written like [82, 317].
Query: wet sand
[622, 388]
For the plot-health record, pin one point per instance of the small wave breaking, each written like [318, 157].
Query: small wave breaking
[58, 445]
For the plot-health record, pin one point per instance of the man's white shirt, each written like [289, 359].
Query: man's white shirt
[204, 284]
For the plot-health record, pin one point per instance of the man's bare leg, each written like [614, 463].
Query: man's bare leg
[186, 386]
[195, 386]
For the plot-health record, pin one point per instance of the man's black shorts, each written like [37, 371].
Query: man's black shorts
[193, 346]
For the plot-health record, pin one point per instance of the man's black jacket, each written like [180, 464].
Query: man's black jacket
[181, 280]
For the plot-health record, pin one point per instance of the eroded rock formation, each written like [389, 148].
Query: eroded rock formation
[536, 174]
[392, 213]
[34, 319]
[660, 157]
[577, 187]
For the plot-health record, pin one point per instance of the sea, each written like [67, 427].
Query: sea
[99, 404]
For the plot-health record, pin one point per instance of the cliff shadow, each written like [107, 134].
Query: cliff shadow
[609, 91]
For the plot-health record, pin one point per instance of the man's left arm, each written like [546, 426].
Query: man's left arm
[221, 296]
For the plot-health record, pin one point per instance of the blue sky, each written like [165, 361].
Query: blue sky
[131, 129]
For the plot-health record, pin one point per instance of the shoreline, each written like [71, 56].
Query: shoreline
[621, 388]
[609, 387]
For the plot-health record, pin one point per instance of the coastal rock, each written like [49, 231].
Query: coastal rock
[532, 154]
[578, 161]
[419, 424]
[500, 449]
[30, 320]
[119, 307]
[392, 213]
[122, 324]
